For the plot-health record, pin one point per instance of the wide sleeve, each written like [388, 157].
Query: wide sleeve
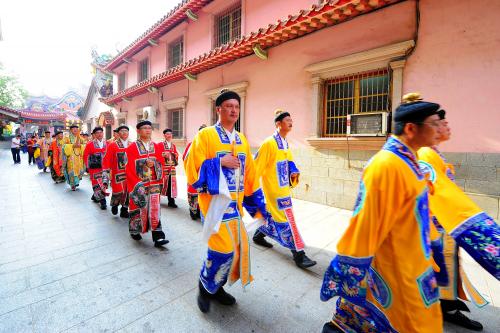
[293, 171]
[135, 186]
[202, 173]
[86, 152]
[372, 220]
[107, 163]
[253, 200]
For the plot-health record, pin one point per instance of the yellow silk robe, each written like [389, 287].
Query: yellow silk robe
[383, 270]
[467, 224]
[73, 166]
[228, 248]
[275, 167]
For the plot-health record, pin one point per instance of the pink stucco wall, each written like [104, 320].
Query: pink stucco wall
[454, 64]
[457, 64]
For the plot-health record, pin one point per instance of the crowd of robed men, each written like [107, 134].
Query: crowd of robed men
[397, 267]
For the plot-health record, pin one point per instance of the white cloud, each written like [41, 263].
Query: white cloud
[47, 44]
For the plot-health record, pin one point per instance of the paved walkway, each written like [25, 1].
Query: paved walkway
[67, 266]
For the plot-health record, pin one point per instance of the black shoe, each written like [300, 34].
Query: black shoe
[330, 328]
[193, 216]
[123, 212]
[458, 318]
[171, 203]
[203, 298]
[161, 242]
[136, 237]
[94, 199]
[114, 210]
[223, 297]
[102, 203]
[259, 239]
[301, 260]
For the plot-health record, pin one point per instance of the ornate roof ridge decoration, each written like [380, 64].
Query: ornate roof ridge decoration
[166, 23]
[327, 14]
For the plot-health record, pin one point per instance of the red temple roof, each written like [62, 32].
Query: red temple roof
[306, 21]
[166, 23]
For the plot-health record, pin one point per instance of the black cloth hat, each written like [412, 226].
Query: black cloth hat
[414, 110]
[442, 114]
[115, 130]
[57, 133]
[143, 123]
[84, 134]
[279, 115]
[96, 129]
[47, 132]
[167, 130]
[122, 127]
[226, 95]
[74, 126]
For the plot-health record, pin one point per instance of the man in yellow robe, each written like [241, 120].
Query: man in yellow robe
[220, 166]
[482, 240]
[383, 271]
[72, 151]
[278, 173]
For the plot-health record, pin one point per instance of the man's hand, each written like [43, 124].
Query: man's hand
[230, 161]
[150, 163]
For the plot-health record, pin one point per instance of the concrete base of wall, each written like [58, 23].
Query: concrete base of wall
[331, 177]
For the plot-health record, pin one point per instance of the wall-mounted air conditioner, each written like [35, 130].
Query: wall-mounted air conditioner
[367, 124]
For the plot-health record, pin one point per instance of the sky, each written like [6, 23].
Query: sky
[47, 44]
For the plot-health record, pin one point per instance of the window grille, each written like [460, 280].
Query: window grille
[356, 93]
[176, 122]
[175, 53]
[227, 26]
[143, 70]
[121, 81]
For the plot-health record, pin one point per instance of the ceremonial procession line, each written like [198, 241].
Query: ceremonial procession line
[391, 258]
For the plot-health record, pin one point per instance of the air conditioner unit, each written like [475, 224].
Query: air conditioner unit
[367, 124]
[149, 113]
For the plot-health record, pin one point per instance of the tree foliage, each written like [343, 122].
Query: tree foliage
[12, 93]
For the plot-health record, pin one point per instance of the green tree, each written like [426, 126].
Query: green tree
[12, 93]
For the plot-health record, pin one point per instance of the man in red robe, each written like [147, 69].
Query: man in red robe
[144, 179]
[57, 158]
[170, 161]
[192, 193]
[115, 161]
[93, 156]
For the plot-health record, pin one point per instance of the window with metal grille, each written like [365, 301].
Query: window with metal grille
[357, 93]
[121, 81]
[215, 118]
[227, 26]
[176, 122]
[144, 69]
[175, 53]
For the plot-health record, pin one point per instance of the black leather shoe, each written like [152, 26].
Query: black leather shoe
[458, 318]
[259, 238]
[114, 210]
[93, 198]
[301, 260]
[124, 212]
[102, 203]
[161, 242]
[330, 328]
[203, 298]
[171, 204]
[223, 297]
[136, 237]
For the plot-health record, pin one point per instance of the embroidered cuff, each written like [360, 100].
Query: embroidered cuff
[346, 277]
[208, 177]
[480, 237]
[255, 203]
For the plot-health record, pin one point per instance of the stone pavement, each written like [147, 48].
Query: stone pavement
[67, 266]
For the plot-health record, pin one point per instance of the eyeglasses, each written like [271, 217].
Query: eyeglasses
[430, 123]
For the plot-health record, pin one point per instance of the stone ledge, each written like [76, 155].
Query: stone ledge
[351, 143]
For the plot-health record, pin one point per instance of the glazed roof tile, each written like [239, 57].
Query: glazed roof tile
[327, 14]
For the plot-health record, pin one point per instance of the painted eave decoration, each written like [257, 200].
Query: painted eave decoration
[327, 14]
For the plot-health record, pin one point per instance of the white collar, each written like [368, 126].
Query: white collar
[124, 143]
[231, 135]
